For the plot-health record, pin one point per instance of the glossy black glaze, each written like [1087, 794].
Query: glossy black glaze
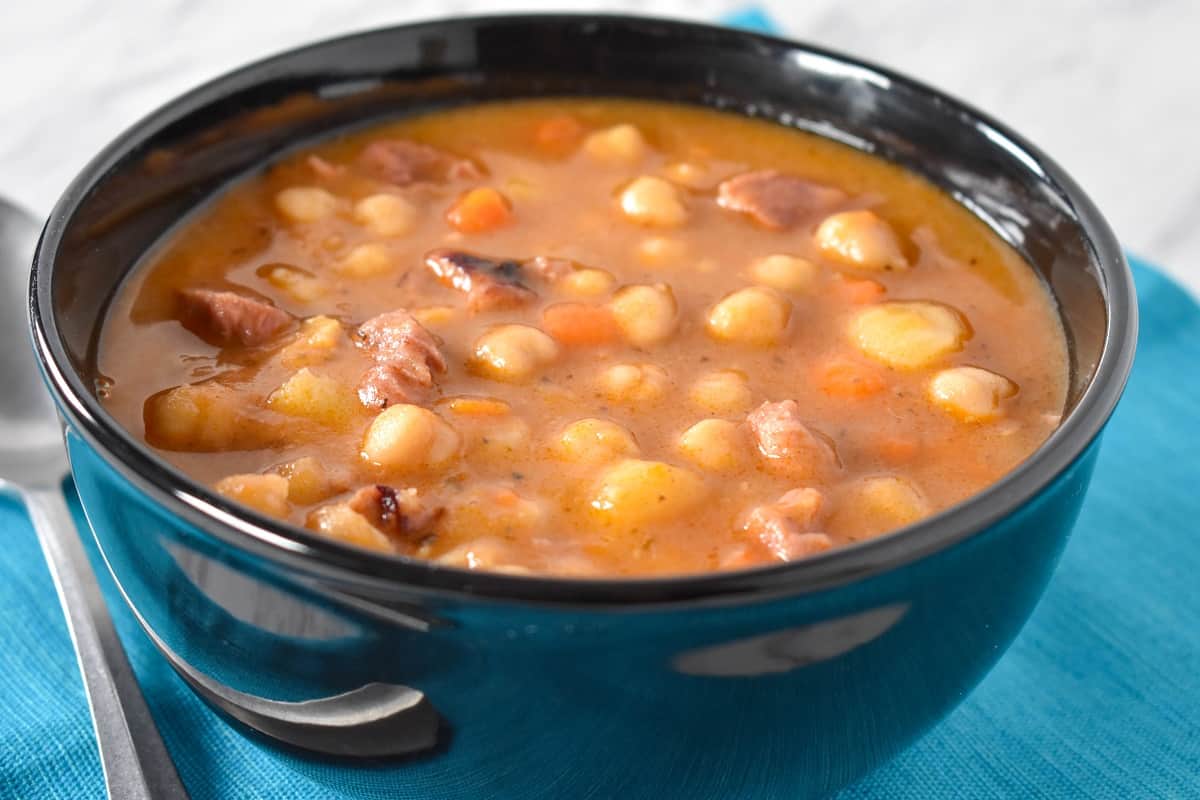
[795, 678]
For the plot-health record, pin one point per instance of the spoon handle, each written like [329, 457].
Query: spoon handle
[135, 760]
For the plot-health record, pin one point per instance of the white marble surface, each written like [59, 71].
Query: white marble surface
[1111, 89]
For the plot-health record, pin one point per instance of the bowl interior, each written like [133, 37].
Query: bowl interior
[172, 161]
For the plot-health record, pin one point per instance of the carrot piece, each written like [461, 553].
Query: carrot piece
[859, 291]
[479, 210]
[842, 377]
[469, 406]
[578, 324]
[897, 449]
[558, 134]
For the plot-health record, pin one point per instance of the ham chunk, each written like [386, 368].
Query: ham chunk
[787, 526]
[228, 318]
[400, 514]
[407, 357]
[404, 163]
[787, 443]
[489, 283]
[776, 200]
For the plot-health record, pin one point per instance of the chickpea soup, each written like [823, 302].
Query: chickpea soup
[587, 337]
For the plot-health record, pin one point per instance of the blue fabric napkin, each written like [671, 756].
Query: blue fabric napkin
[1099, 697]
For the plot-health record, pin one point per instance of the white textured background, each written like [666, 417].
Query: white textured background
[1111, 88]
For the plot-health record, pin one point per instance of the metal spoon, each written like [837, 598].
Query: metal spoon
[33, 464]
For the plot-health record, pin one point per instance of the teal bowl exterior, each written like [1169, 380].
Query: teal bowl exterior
[791, 697]
[789, 681]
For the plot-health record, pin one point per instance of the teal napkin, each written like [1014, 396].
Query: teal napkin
[1099, 696]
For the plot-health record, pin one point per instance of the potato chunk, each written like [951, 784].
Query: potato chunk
[204, 417]
[646, 315]
[264, 493]
[308, 481]
[634, 383]
[908, 335]
[366, 261]
[783, 272]
[513, 353]
[315, 342]
[482, 552]
[724, 391]
[755, 316]
[860, 239]
[408, 438]
[970, 393]
[593, 441]
[714, 444]
[490, 510]
[633, 492]
[322, 399]
[339, 521]
[888, 502]
[305, 203]
[386, 214]
[620, 144]
[652, 201]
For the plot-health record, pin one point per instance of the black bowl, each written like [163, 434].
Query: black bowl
[792, 680]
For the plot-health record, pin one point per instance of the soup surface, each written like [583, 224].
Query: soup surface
[587, 337]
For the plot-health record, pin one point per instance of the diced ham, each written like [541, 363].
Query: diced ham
[407, 356]
[401, 514]
[787, 526]
[488, 283]
[225, 318]
[403, 163]
[786, 442]
[775, 199]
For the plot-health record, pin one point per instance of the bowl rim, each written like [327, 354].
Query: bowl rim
[293, 547]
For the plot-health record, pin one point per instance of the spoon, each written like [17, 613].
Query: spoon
[33, 465]
[374, 720]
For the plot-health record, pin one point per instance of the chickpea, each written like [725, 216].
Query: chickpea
[860, 239]
[267, 494]
[365, 261]
[513, 352]
[653, 201]
[587, 282]
[908, 335]
[783, 272]
[320, 398]
[620, 144]
[594, 441]
[889, 501]
[635, 384]
[409, 438]
[339, 521]
[970, 393]
[436, 315]
[754, 316]
[689, 174]
[646, 315]
[386, 214]
[725, 391]
[713, 444]
[298, 284]
[661, 251]
[305, 203]
[633, 492]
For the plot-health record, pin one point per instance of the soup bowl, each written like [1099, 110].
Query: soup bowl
[790, 680]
